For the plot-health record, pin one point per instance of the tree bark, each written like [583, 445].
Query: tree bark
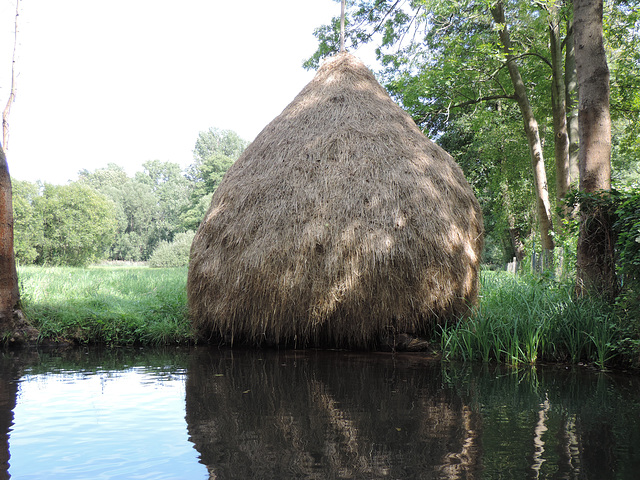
[571, 96]
[558, 107]
[595, 250]
[9, 296]
[531, 130]
[8, 278]
[14, 327]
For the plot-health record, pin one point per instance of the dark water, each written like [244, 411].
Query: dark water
[209, 413]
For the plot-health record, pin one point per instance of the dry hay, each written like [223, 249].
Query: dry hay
[340, 223]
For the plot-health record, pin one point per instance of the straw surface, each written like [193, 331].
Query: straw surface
[339, 224]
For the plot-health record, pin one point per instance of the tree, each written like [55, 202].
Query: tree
[12, 91]
[448, 60]
[14, 327]
[447, 64]
[27, 229]
[9, 295]
[78, 223]
[531, 130]
[170, 188]
[595, 251]
[136, 211]
[214, 152]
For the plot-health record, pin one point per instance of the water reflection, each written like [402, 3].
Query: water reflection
[554, 422]
[327, 415]
[313, 414]
[339, 415]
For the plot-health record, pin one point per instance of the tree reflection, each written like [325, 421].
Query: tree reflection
[11, 367]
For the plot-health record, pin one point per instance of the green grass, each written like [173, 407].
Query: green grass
[524, 319]
[110, 305]
[520, 319]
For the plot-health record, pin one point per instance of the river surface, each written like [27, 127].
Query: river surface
[208, 413]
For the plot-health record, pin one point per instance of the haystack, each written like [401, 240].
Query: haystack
[340, 224]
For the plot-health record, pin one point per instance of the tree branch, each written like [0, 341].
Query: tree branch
[488, 98]
[12, 93]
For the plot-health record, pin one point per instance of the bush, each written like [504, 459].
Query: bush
[174, 254]
[627, 228]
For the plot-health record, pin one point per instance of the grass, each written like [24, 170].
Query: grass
[109, 305]
[524, 319]
[520, 319]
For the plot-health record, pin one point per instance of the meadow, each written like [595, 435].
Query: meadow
[520, 319]
[106, 304]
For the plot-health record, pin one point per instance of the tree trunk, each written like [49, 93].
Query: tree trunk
[9, 297]
[571, 96]
[14, 328]
[12, 91]
[595, 250]
[531, 130]
[558, 107]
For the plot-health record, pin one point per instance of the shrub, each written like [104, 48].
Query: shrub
[173, 254]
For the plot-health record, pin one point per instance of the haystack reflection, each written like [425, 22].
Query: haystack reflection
[326, 415]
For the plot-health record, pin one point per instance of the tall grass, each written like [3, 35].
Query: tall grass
[524, 318]
[111, 305]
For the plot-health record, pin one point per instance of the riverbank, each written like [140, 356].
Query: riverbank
[519, 320]
[111, 305]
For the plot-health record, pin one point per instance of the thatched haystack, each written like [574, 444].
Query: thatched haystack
[339, 224]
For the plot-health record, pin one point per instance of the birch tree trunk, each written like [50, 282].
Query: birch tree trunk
[595, 250]
[571, 96]
[558, 107]
[531, 130]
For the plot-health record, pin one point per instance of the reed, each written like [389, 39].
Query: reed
[522, 319]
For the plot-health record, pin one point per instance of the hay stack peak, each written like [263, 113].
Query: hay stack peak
[339, 224]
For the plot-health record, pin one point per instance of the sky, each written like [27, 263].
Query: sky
[127, 81]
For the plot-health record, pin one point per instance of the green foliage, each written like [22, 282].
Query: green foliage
[214, 153]
[171, 190]
[525, 319]
[110, 305]
[148, 207]
[623, 207]
[173, 254]
[136, 208]
[78, 224]
[444, 64]
[627, 228]
[27, 222]
[148, 210]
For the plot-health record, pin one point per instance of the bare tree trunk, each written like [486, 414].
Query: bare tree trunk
[558, 107]
[531, 130]
[9, 296]
[12, 92]
[571, 96]
[13, 325]
[595, 250]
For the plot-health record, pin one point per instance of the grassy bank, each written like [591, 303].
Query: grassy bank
[520, 319]
[111, 305]
[525, 319]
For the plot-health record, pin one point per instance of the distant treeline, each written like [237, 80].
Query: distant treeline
[107, 215]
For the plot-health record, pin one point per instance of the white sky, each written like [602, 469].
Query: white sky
[126, 81]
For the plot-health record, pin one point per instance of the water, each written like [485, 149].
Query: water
[208, 413]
